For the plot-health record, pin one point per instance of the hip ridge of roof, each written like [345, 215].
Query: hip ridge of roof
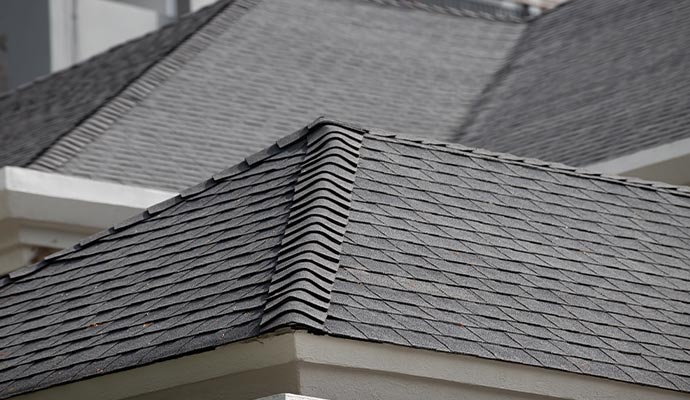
[309, 255]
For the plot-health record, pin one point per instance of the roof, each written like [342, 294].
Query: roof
[591, 81]
[35, 116]
[371, 236]
[223, 83]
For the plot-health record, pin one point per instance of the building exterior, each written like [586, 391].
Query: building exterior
[44, 36]
[475, 76]
[347, 263]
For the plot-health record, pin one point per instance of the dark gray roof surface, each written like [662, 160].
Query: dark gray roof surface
[380, 238]
[258, 66]
[591, 81]
[33, 117]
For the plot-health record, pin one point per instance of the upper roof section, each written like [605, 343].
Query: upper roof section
[35, 116]
[373, 237]
[206, 92]
[591, 81]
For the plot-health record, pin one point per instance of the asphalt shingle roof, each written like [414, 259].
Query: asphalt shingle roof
[229, 88]
[591, 81]
[34, 117]
[374, 237]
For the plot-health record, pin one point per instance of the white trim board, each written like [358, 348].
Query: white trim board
[668, 163]
[53, 211]
[335, 368]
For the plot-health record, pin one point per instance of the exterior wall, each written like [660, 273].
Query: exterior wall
[25, 27]
[43, 212]
[44, 36]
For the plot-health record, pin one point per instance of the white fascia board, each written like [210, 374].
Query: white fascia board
[670, 159]
[290, 396]
[521, 380]
[337, 359]
[44, 197]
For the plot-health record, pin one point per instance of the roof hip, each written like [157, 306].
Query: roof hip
[309, 255]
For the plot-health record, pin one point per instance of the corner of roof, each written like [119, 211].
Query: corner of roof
[317, 127]
[300, 289]
[309, 254]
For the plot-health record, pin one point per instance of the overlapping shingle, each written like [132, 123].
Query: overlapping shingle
[591, 81]
[249, 70]
[445, 248]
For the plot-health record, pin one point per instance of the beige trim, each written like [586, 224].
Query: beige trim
[335, 368]
[668, 163]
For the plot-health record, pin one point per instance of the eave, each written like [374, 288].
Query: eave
[40, 210]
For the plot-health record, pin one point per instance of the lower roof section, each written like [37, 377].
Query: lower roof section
[329, 368]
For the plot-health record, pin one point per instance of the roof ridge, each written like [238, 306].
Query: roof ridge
[98, 121]
[449, 10]
[540, 164]
[309, 256]
[207, 184]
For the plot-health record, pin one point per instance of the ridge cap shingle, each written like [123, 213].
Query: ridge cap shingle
[457, 11]
[580, 172]
[309, 256]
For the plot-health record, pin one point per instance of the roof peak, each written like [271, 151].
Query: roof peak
[327, 154]
[333, 145]
[309, 254]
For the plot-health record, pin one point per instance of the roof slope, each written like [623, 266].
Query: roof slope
[33, 117]
[589, 82]
[373, 237]
[259, 65]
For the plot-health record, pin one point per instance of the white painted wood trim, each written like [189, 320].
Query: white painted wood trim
[669, 162]
[48, 197]
[302, 351]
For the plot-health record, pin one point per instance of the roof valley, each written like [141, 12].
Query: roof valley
[94, 124]
[309, 256]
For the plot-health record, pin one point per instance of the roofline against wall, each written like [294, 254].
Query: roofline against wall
[28, 194]
[42, 212]
[307, 352]
[667, 162]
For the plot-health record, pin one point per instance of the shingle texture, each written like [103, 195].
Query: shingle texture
[589, 82]
[445, 248]
[34, 117]
[193, 276]
[272, 64]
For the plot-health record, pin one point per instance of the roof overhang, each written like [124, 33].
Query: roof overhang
[52, 211]
[668, 163]
[329, 367]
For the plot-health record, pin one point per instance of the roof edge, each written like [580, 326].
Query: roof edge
[191, 191]
[90, 127]
[581, 172]
[309, 256]
[498, 13]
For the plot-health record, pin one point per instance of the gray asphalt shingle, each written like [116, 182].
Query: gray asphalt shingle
[591, 81]
[194, 106]
[307, 235]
